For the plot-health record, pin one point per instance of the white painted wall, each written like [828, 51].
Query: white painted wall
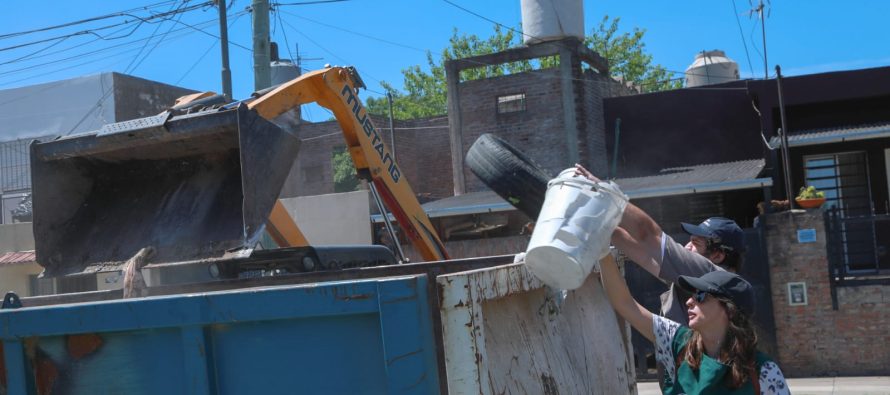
[334, 219]
[16, 237]
[14, 277]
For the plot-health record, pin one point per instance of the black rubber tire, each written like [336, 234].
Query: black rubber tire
[509, 173]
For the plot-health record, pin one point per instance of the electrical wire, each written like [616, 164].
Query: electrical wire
[357, 33]
[308, 2]
[141, 20]
[82, 21]
[101, 50]
[334, 55]
[212, 45]
[130, 67]
[742, 34]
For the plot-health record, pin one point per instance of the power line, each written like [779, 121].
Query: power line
[742, 34]
[212, 45]
[82, 21]
[308, 2]
[332, 54]
[127, 70]
[357, 33]
[284, 34]
[190, 29]
[93, 31]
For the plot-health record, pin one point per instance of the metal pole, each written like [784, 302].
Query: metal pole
[262, 70]
[392, 131]
[786, 160]
[614, 172]
[387, 224]
[763, 30]
[224, 46]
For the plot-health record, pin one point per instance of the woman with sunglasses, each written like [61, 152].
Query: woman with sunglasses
[717, 353]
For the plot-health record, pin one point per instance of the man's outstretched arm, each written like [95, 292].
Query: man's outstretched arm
[637, 235]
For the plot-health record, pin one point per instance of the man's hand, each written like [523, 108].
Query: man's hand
[582, 171]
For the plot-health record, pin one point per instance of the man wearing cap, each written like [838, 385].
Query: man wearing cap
[715, 244]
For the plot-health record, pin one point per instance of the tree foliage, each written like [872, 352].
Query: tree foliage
[425, 92]
[345, 179]
[628, 60]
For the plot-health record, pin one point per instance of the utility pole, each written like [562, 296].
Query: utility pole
[224, 46]
[262, 70]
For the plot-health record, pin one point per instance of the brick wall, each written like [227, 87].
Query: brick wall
[539, 131]
[421, 150]
[815, 339]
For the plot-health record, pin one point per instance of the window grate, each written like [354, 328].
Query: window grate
[511, 103]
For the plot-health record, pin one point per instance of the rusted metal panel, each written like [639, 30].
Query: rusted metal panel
[505, 332]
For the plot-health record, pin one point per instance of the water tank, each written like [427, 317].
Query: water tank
[283, 70]
[711, 67]
[545, 20]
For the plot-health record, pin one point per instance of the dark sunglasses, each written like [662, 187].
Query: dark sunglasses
[700, 296]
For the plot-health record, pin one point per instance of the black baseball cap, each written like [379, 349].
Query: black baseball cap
[722, 231]
[724, 284]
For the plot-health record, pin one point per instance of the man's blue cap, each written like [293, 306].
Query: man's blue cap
[723, 232]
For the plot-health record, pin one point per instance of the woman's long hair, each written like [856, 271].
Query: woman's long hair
[738, 349]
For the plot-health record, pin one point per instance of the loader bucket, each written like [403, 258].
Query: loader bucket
[193, 186]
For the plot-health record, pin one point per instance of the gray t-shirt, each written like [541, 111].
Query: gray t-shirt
[677, 261]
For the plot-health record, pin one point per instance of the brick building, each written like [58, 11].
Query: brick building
[824, 327]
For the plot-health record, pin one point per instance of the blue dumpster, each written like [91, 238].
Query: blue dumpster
[367, 336]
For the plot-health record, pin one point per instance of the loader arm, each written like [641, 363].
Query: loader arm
[335, 89]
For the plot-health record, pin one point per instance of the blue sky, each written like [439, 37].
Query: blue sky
[382, 37]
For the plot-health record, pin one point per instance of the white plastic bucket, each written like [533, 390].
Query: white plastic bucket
[574, 228]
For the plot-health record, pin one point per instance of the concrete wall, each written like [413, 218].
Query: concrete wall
[15, 277]
[16, 237]
[815, 339]
[137, 98]
[57, 108]
[333, 219]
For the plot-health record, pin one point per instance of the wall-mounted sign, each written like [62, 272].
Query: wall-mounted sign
[806, 235]
[797, 294]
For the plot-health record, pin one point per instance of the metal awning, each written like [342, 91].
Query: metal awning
[17, 258]
[717, 177]
[834, 135]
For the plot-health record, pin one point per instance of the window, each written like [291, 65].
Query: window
[511, 103]
[844, 179]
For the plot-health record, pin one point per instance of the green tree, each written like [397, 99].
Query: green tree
[627, 57]
[425, 94]
[345, 179]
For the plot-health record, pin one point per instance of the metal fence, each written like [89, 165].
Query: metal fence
[857, 245]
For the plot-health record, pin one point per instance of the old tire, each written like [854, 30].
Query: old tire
[509, 173]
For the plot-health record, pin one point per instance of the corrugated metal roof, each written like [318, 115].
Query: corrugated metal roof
[668, 182]
[714, 177]
[16, 257]
[834, 135]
